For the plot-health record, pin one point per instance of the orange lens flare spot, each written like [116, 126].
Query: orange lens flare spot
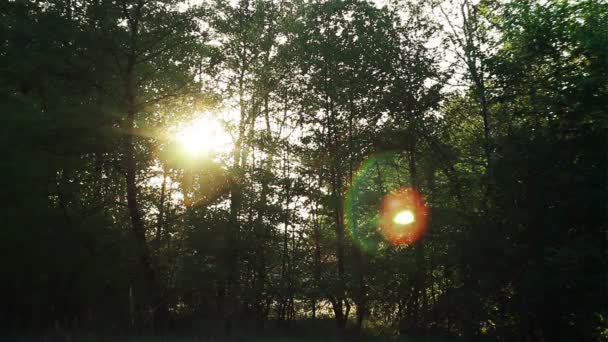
[403, 216]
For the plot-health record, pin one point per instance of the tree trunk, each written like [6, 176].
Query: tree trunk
[161, 214]
[420, 276]
[231, 284]
[149, 283]
[317, 261]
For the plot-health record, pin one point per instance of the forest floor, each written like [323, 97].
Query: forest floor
[99, 338]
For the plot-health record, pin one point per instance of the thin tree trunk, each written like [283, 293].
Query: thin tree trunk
[360, 296]
[317, 258]
[161, 214]
[419, 248]
[147, 297]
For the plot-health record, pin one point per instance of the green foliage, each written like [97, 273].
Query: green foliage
[331, 105]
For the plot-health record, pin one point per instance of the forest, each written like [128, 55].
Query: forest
[307, 170]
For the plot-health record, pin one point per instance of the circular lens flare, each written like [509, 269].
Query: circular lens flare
[378, 210]
[404, 217]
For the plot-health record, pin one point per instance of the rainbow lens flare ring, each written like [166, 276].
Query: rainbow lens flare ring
[378, 209]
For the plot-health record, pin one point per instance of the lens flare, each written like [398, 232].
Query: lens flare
[379, 210]
[403, 216]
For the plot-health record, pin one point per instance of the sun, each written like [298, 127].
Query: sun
[202, 136]
[404, 217]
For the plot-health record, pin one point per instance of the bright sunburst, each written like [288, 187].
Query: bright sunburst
[203, 135]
